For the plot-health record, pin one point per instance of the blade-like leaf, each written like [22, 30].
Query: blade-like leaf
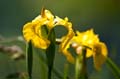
[29, 59]
[113, 67]
[50, 52]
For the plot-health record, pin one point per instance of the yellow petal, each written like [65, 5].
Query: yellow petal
[68, 55]
[29, 33]
[47, 14]
[87, 38]
[99, 55]
[89, 53]
[40, 43]
[65, 44]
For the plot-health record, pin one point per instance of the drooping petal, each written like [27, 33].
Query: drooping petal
[65, 43]
[68, 55]
[29, 33]
[99, 55]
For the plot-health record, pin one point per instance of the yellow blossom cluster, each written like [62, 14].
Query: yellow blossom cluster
[33, 31]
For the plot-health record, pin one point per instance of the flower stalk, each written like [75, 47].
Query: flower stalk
[113, 67]
[80, 65]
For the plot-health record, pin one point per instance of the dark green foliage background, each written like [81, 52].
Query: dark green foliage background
[102, 15]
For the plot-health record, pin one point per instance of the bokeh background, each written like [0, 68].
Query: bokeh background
[101, 15]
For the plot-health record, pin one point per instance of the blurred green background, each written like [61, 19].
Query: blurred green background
[101, 15]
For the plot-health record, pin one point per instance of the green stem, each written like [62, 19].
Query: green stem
[113, 67]
[81, 66]
[66, 68]
[84, 70]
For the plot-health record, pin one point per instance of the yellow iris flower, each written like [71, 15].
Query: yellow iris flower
[95, 48]
[33, 30]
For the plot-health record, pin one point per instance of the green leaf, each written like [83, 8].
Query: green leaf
[50, 52]
[56, 71]
[29, 59]
[115, 69]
